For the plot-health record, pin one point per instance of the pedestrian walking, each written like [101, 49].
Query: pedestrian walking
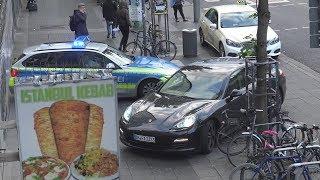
[124, 23]
[177, 6]
[80, 21]
[109, 10]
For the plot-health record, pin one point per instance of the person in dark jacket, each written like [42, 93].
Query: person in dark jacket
[109, 10]
[80, 17]
[177, 6]
[124, 23]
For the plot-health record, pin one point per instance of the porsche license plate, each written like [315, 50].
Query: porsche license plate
[148, 139]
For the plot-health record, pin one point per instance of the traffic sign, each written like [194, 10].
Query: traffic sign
[314, 17]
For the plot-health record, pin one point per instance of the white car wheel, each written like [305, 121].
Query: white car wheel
[222, 52]
[202, 40]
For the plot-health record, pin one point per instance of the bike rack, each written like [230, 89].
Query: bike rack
[251, 65]
[164, 13]
[294, 166]
[316, 146]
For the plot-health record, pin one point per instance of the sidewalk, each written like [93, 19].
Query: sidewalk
[50, 23]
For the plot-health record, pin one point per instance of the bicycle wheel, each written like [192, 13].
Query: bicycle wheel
[133, 49]
[245, 148]
[166, 50]
[291, 133]
[225, 135]
[247, 171]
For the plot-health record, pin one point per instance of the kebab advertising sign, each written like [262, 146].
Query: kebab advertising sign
[69, 130]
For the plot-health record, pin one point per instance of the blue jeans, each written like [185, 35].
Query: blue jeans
[110, 27]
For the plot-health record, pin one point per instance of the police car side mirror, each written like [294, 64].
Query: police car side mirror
[110, 66]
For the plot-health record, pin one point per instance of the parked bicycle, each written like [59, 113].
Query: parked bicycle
[251, 145]
[155, 46]
[238, 121]
[235, 123]
[272, 166]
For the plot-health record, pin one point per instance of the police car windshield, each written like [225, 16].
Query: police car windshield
[120, 58]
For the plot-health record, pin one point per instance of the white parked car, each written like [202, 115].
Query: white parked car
[227, 28]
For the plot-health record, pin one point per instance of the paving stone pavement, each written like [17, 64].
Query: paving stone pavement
[50, 23]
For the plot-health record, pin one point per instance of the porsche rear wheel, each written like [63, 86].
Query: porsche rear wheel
[207, 136]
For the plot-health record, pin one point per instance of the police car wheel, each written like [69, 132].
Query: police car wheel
[147, 86]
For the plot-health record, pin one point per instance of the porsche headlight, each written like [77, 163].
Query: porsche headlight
[232, 43]
[127, 114]
[186, 122]
[274, 41]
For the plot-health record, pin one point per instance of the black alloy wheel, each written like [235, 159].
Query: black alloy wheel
[208, 133]
[148, 86]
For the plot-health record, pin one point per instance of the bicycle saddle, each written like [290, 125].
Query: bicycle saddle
[269, 133]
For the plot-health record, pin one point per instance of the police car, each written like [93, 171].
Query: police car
[136, 76]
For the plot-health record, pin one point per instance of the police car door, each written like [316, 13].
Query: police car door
[98, 62]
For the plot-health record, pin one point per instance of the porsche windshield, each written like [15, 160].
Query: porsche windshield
[238, 19]
[198, 84]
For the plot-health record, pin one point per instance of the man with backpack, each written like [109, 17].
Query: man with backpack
[78, 22]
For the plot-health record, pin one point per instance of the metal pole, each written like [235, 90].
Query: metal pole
[144, 27]
[196, 10]
[153, 22]
[166, 17]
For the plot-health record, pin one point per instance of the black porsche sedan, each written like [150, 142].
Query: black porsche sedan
[184, 113]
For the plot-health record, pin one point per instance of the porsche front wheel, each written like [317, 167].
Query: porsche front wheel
[207, 136]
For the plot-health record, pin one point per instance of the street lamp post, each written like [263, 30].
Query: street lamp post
[196, 10]
[144, 27]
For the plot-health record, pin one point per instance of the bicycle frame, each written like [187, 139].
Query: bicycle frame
[266, 163]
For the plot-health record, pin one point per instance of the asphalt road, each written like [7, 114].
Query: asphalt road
[289, 18]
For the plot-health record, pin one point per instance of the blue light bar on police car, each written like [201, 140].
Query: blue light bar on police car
[81, 42]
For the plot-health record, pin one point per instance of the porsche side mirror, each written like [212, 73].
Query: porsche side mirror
[234, 93]
[110, 66]
[213, 26]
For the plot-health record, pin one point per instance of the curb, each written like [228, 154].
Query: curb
[301, 67]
